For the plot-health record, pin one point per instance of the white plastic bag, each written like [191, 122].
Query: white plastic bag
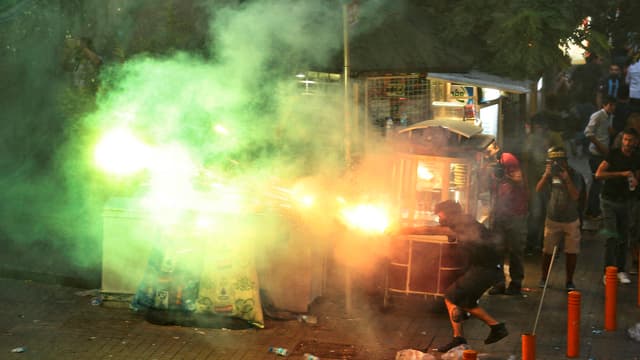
[634, 332]
[455, 353]
[411, 354]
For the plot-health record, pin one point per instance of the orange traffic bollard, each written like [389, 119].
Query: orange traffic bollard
[610, 298]
[469, 355]
[528, 346]
[573, 324]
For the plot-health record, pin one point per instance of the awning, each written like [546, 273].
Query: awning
[464, 128]
[480, 79]
[470, 138]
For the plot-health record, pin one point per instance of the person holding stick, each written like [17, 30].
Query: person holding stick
[562, 187]
[482, 252]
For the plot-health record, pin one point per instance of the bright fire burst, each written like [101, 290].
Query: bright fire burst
[121, 153]
[366, 217]
[424, 173]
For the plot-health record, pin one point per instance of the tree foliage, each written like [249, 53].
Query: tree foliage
[523, 38]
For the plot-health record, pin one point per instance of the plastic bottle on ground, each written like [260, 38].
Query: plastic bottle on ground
[279, 351]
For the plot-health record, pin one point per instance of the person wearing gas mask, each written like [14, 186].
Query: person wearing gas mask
[562, 187]
[481, 252]
[509, 215]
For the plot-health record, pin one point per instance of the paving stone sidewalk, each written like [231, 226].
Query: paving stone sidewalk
[53, 322]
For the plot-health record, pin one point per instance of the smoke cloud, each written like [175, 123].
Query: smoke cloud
[174, 73]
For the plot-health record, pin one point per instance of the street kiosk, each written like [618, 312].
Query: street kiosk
[435, 160]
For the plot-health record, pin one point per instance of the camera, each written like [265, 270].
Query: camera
[498, 171]
[556, 168]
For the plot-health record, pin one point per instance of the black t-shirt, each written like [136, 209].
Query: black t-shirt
[617, 189]
[478, 245]
[610, 86]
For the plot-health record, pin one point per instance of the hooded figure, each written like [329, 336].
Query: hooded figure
[482, 253]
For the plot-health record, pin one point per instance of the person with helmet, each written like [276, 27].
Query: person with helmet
[562, 187]
[509, 215]
[482, 251]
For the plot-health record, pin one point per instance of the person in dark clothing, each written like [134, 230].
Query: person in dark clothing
[584, 81]
[622, 112]
[619, 170]
[482, 252]
[611, 85]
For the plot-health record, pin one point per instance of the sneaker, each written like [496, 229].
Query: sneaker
[513, 289]
[623, 278]
[456, 341]
[497, 289]
[571, 286]
[498, 332]
[458, 315]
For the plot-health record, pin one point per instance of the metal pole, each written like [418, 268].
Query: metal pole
[347, 108]
[347, 134]
[544, 290]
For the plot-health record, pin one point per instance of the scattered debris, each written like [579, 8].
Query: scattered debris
[92, 292]
[325, 349]
[20, 349]
[411, 354]
[92, 338]
[634, 332]
[596, 332]
[279, 351]
[455, 353]
[309, 319]
[308, 356]
[96, 301]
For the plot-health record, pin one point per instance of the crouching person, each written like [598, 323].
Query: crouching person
[483, 257]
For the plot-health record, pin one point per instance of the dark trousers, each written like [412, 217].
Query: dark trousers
[615, 221]
[535, 220]
[593, 200]
[514, 233]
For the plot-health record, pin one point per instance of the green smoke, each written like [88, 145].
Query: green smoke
[172, 71]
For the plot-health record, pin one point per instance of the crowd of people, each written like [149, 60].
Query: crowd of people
[541, 203]
[599, 111]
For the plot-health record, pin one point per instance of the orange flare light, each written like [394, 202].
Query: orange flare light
[366, 217]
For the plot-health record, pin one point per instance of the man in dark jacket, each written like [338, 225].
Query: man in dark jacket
[482, 253]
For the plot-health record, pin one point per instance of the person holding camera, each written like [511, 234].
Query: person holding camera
[509, 215]
[481, 251]
[562, 186]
